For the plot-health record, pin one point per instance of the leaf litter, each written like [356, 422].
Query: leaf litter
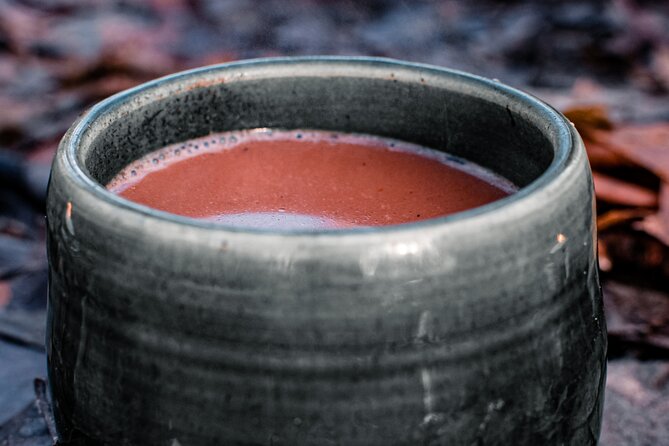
[604, 64]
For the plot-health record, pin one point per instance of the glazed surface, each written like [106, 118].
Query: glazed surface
[485, 327]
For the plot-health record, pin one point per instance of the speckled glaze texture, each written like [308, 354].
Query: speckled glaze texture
[481, 328]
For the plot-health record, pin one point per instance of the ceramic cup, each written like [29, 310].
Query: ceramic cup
[483, 327]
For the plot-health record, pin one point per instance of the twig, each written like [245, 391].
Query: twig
[44, 409]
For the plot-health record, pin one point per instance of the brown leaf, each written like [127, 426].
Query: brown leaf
[636, 254]
[620, 216]
[646, 145]
[657, 224]
[587, 118]
[5, 293]
[600, 154]
[106, 86]
[663, 213]
[594, 125]
[605, 263]
[615, 191]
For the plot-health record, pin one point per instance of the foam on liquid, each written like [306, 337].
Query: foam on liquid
[279, 179]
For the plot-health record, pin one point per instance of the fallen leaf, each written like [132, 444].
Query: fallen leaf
[600, 154]
[657, 224]
[617, 217]
[594, 125]
[107, 86]
[587, 118]
[637, 254]
[646, 145]
[605, 263]
[5, 293]
[615, 191]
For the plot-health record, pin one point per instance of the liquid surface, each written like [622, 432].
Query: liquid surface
[306, 180]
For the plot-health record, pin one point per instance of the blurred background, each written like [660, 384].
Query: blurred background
[604, 63]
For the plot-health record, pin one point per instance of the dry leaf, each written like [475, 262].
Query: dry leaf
[594, 125]
[5, 293]
[588, 118]
[106, 86]
[615, 191]
[657, 224]
[605, 263]
[646, 145]
[600, 154]
[636, 253]
[619, 216]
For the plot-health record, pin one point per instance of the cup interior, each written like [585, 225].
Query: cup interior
[480, 120]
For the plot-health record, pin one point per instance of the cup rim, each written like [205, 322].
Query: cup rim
[564, 144]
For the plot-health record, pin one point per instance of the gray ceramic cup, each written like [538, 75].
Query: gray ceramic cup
[484, 327]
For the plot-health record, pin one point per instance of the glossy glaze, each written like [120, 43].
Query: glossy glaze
[484, 327]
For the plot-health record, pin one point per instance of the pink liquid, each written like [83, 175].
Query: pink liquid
[306, 180]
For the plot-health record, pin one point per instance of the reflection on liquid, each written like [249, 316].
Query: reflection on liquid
[280, 220]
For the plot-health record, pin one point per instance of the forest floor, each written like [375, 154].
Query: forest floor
[605, 64]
